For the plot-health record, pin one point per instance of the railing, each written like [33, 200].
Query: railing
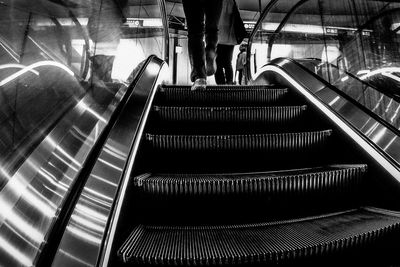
[349, 40]
[52, 114]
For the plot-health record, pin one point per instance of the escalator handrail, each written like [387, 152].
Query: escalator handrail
[389, 159]
[396, 98]
[55, 234]
[146, 98]
[344, 95]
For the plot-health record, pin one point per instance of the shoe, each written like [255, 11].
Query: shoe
[211, 63]
[199, 84]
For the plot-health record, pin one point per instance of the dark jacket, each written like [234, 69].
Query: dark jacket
[231, 28]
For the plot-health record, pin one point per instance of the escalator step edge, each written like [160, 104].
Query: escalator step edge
[267, 243]
[278, 114]
[302, 181]
[222, 95]
[279, 142]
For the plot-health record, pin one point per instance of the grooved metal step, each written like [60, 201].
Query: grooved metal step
[222, 95]
[278, 114]
[267, 243]
[333, 178]
[224, 87]
[280, 142]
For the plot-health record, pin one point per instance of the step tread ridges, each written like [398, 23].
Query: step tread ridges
[222, 87]
[271, 243]
[282, 142]
[227, 95]
[278, 114]
[336, 177]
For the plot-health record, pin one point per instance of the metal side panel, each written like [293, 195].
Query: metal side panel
[377, 140]
[32, 197]
[93, 220]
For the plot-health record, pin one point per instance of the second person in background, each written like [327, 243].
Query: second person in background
[202, 18]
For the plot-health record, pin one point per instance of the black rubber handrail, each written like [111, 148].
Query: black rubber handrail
[344, 95]
[259, 22]
[165, 21]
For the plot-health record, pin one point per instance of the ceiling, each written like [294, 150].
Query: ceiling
[249, 9]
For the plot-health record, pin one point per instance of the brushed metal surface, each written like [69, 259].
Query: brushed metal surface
[373, 136]
[86, 231]
[32, 197]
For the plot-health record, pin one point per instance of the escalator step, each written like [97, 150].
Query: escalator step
[267, 243]
[278, 114]
[219, 87]
[280, 142]
[223, 95]
[303, 181]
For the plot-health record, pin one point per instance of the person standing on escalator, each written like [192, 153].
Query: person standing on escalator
[231, 33]
[202, 18]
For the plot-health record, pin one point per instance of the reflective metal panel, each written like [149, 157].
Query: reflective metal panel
[373, 136]
[86, 229]
[33, 195]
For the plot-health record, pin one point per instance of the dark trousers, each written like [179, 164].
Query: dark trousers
[240, 73]
[202, 18]
[224, 73]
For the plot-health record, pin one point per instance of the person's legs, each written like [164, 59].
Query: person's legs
[227, 63]
[194, 12]
[213, 10]
[219, 74]
[240, 76]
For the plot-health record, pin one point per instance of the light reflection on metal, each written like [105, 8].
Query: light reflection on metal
[384, 71]
[32, 195]
[15, 252]
[53, 180]
[111, 165]
[376, 132]
[389, 75]
[362, 72]
[84, 234]
[91, 226]
[86, 229]
[103, 180]
[65, 162]
[395, 114]
[378, 103]
[17, 66]
[17, 222]
[10, 52]
[334, 101]
[378, 136]
[75, 259]
[99, 195]
[90, 212]
[115, 152]
[388, 106]
[33, 66]
[85, 107]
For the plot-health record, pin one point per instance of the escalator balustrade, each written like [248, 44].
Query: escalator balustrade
[248, 175]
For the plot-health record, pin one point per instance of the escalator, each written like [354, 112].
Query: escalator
[250, 175]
